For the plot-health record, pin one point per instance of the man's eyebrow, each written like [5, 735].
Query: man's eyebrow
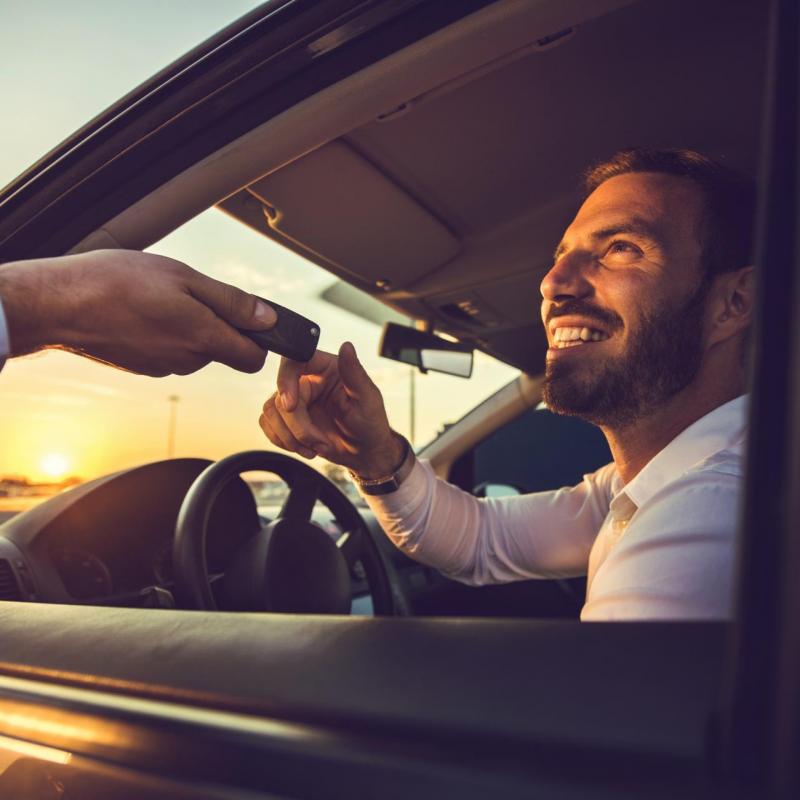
[635, 225]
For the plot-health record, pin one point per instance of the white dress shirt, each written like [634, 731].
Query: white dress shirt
[5, 344]
[660, 547]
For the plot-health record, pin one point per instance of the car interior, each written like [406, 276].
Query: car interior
[437, 179]
[398, 187]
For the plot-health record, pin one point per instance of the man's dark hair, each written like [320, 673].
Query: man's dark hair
[726, 233]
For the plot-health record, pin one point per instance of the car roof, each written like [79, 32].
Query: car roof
[448, 204]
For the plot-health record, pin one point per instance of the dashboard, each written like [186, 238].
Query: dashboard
[109, 541]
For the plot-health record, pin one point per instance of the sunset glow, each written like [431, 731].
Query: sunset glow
[54, 465]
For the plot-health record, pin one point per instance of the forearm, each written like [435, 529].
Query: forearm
[542, 535]
[33, 305]
[438, 524]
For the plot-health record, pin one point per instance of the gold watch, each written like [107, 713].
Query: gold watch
[391, 482]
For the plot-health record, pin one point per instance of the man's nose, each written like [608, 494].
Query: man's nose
[567, 278]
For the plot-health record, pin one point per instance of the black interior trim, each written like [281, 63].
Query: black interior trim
[292, 666]
[762, 720]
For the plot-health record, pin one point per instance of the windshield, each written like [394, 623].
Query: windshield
[66, 419]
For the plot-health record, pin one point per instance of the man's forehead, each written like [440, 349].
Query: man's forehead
[649, 199]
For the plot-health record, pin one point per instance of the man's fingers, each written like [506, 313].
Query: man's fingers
[354, 377]
[221, 343]
[301, 426]
[290, 372]
[239, 309]
[279, 434]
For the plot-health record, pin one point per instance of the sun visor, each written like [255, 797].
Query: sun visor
[338, 206]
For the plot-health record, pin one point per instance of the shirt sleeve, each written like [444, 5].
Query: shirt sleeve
[5, 344]
[494, 540]
[676, 557]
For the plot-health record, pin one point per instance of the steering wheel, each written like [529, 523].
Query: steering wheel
[288, 565]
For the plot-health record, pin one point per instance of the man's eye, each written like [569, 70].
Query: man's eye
[623, 250]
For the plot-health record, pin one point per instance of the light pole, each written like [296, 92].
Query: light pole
[173, 401]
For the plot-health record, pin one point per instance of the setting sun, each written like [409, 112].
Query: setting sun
[54, 465]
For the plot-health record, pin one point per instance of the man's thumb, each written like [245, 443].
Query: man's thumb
[354, 377]
[239, 309]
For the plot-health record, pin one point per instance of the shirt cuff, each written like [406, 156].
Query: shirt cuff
[5, 344]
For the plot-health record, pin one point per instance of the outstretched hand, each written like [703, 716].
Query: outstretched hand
[137, 311]
[330, 407]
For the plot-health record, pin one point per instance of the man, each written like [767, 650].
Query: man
[136, 311]
[646, 308]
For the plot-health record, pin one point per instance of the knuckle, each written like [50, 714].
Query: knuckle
[236, 303]
[271, 412]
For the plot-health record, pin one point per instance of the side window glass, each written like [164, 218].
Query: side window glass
[537, 451]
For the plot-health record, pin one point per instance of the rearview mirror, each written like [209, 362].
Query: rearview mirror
[425, 350]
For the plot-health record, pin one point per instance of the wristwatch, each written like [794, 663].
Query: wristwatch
[391, 482]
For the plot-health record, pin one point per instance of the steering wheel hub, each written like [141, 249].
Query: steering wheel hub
[290, 567]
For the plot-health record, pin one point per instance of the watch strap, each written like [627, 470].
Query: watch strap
[391, 482]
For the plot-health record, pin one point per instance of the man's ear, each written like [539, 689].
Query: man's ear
[732, 304]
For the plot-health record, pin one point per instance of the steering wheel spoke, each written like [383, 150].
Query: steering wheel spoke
[303, 496]
[350, 545]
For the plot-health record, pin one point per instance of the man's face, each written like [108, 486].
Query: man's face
[624, 302]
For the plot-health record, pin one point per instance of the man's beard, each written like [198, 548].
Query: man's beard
[664, 357]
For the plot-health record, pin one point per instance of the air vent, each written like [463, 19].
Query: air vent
[9, 588]
[466, 308]
[464, 311]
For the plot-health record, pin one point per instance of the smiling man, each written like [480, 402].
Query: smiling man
[647, 309]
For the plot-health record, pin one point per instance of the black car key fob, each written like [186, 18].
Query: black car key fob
[292, 336]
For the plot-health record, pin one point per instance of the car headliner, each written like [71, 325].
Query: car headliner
[449, 205]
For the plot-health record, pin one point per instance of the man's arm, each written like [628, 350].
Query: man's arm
[485, 541]
[330, 407]
[137, 311]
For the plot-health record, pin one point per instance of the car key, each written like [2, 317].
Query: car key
[293, 336]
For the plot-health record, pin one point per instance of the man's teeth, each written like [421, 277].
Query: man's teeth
[570, 337]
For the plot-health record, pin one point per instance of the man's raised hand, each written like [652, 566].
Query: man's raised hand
[330, 407]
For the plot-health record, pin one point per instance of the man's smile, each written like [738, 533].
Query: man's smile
[566, 334]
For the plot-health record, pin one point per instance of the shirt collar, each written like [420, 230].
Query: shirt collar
[720, 429]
